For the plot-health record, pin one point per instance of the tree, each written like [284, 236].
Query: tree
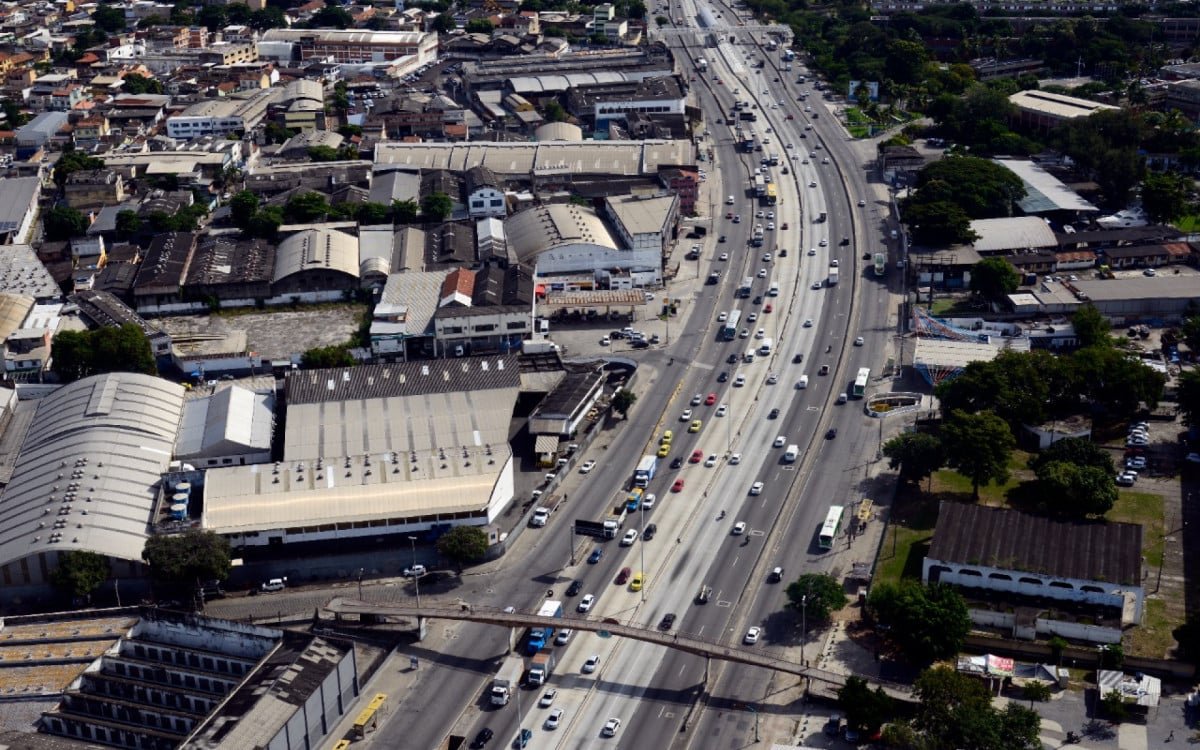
[819, 595]
[1091, 326]
[63, 223]
[926, 623]
[978, 446]
[916, 454]
[623, 400]
[71, 162]
[405, 212]
[265, 223]
[480, 26]
[443, 24]
[13, 114]
[187, 559]
[111, 18]
[242, 208]
[136, 83]
[331, 17]
[78, 354]
[1035, 691]
[938, 223]
[214, 17]
[1076, 491]
[327, 356]
[128, 224]
[322, 153]
[1164, 196]
[981, 187]
[1188, 394]
[943, 693]
[80, 572]
[554, 112]
[1115, 383]
[373, 213]
[463, 544]
[994, 279]
[1112, 706]
[866, 710]
[436, 206]
[1077, 451]
[305, 207]
[270, 17]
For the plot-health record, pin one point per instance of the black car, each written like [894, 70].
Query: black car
[758, 300]
[731, 359]
[798, 358]
[640, 344]
[668, 620]
[485, 735]
[774, 414]
[845, 240]
[574, 588]
[649, 533]
[831, 434]
[724, 376]
[676, 462]
[721, 239]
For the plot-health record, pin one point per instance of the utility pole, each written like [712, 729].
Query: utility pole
[416, 578]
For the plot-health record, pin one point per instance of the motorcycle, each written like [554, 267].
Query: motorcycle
[721, 515]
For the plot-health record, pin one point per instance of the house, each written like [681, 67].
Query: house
[485, 194]
[93, 188]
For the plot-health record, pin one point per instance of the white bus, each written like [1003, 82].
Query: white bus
[831, 528]
[729, 330]
[860, 382]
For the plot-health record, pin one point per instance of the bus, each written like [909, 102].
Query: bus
[760, 185]
[772, 194]
[368, 718]
[880, 264]
[831, 528]
[860, 382]
[730, 330]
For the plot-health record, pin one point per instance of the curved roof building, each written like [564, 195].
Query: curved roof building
[316, 259]
[87, 475]
[561, 237]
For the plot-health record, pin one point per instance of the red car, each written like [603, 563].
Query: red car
[768, 308]
[697, 457]
[623, 576]
[729, 214]
[791, 116]
[712, 399]
[678, 486]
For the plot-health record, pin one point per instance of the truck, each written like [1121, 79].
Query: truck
[614, 523]
[760, 185]
[788, 55]
[645, 471]
[540, 636]
[791, 453]
[541, 667]
[702, 65]
[833, 276]
[822, 216]
[746, 287]
[507, 680]
[634, 500]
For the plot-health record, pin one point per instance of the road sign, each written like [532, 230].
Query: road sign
[589, 528]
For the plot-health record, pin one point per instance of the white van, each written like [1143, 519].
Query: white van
[791, 454]
[765, 349]
[275, 584]
[774, 290]
[802, 382]
[748, 356]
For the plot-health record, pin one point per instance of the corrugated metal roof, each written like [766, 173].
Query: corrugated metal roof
[233, 420]
[402, 379]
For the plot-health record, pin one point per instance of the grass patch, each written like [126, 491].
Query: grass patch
[1145, 508]
[910, 533]
[951, 482]
[1188, 224]
[1153, 638]
[858, 131]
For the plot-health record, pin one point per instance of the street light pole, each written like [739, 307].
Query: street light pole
[360, 577]
[803, 627]
[642, 549]
[416, 578]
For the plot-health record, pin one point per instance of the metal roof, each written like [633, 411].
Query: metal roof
[233, 420]
[941, 353]
[320, 249]
[642, 215]
[1015, 233]
[89, 466]
[21, 272]
[545, 228]
[1043, 191]
[629, 158]
[16, 196]
[402, 379]
[1056, 105]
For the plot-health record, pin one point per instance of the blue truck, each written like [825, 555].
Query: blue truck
[540, 637]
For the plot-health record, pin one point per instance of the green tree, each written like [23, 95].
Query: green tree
[1035, 692]
[1165, 196]
[463, 544]
[981, 187]
[405, 211]
[661, 21]
[331, 17]
[554, 112]
[276, 133]
[480, 26]
[994, 279]
[1020, 387]
[303, 208]
[64, 222]
[623, 400]
[1114, 382]
[1112, 706]
[437, 206]
[1076, 491]
[80, 572]
[938, 223]
[13, 114]
[327, 356]
[128, 224]
[443, 24]
[373, 213]
[866, 710]
[1091, 326]
[71, 162]
[78, 354]
[136, 83]
[926, 623]
[1077, 451]
[270, 17]
[322, 153]
[978, 446]
[187, 560]
[819, 595]
[916, 454]
[242, 208]
[1188, 395]
[111, 18]
[214, 17]
[265, 223]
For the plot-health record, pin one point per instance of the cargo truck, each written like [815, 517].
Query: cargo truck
[702, 64]
[747, 287]
[833, 276]
[791, 453]
[539, 637]
[645, 471]
[633, 500]
[613, 524]
[541, 667]
[507, 680]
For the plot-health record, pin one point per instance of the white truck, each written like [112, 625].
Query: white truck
[507, 680]
[833, 276]
[702, 65]
[791, 453]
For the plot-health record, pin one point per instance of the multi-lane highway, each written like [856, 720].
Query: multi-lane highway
[651, 689]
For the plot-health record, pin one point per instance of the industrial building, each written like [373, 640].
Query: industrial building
[348, 46]
[1042, 110]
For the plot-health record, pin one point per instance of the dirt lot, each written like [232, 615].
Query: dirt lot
[275, 334]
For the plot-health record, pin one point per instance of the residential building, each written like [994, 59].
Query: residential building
[18, 208]
[485, 193]
[685, 183]
[220, 117]
[93, 188]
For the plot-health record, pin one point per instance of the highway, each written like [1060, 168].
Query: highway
[650, 688]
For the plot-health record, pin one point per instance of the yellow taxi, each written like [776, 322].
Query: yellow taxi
[695, 425]
[639, 580]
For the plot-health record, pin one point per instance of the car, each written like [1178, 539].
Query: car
[723, 377]
[629, 538]
[738, 529]
[773, 414]
[762, 273]
[540, 517]
[752, 317]
[711, 461]
[760, 213]
[485, 736]
[756, 488]
[563, 637]
[676, 462]
[587, 466]
[585, 604]
[858, 341]
[758, 300]
[780, 441]
[737, 218]
[547, 698]
[639, 580]
[1193, 458]
[695, 425]
[824, 242]
[575, 587]
[834, 263]
[722, 317]
[696, 457]
[677, 486]
[831, 433]
[723, 256]
[651, 530]
[596, 555]
[771, 308]
[772, 378]
[760, 334]
[664, 450]
[697, 399]
[816, 285]
[812, 183]
[640, 344]
[648, 500]
[735, 458]
[1126, 479]
[729, 200]
[739, 381]
[861, 203]
[415, 571]
[710, 399]
[592, 663]
[1149, 272]
[623, 576]
[667, 622]
[784, 225]
[731, 359]
[611, 727]
[685, 415]
[808, 323]
[554, 719]
[752, 635]
[775, 576]
[842, 398]
[812, 251]
[770, 226]
[722, 410]
[824, 370]
[1135, 462]
[798, 358]
[605, 341]
[745, 333]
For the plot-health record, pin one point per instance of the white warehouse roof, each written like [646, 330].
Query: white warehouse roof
[233, 420]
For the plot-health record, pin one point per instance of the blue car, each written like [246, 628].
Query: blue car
[523, 738]
[596, 555]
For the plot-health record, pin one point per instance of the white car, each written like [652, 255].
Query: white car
[752, 635]
[605, 341]
[591, 664]
[772, 379]
[629, 538]
[735, 458]
[760, 334]
[587, 467]
[540, 517]
[812, 251]
[722, 317]
[723, 257]
[739, 381]
[862, 203]
[766, 257]
[858, 341]
[812, 183]
[554, 719]
[1126, 478]
[722, 410]
[585, 604]
[816, 285]
[824, 242]
[756, 488]
[1135, 462]
[729, 201]
[752, 317]
[610, 727]
[770, 226]
[759, 213]
[770, 214]
[547, 699]
[808, 323]
[780, 441]
[744, 334]
[762, 273]
[697, 399]
[685, 415]
[648, 500]
[711, 461]
[738, 529]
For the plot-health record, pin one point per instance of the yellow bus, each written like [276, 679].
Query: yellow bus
[772, 194]
[368, 718]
